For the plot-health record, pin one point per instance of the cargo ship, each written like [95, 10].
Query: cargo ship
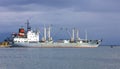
[30, 38]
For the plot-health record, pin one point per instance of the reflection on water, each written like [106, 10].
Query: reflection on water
[60, 58]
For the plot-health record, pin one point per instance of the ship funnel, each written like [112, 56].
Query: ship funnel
[21, 32]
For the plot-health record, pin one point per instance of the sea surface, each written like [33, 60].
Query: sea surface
[60, 58]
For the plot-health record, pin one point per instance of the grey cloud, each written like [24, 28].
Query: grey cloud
[99, 6]
[77, 5]
[41, 2]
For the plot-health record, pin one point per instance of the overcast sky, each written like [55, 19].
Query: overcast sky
[100, 17]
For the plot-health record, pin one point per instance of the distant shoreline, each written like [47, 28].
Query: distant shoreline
[109, 45]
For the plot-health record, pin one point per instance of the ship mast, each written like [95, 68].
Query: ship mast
[86, 36]
[28, 26]
[77, 34]
[73, 35]
[44, 33]
[48, 32]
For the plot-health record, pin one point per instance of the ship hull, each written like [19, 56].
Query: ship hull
[55, 45]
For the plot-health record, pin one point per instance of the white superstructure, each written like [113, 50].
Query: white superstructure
[30, 37]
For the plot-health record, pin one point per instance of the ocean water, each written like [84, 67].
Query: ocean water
[60, 58]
